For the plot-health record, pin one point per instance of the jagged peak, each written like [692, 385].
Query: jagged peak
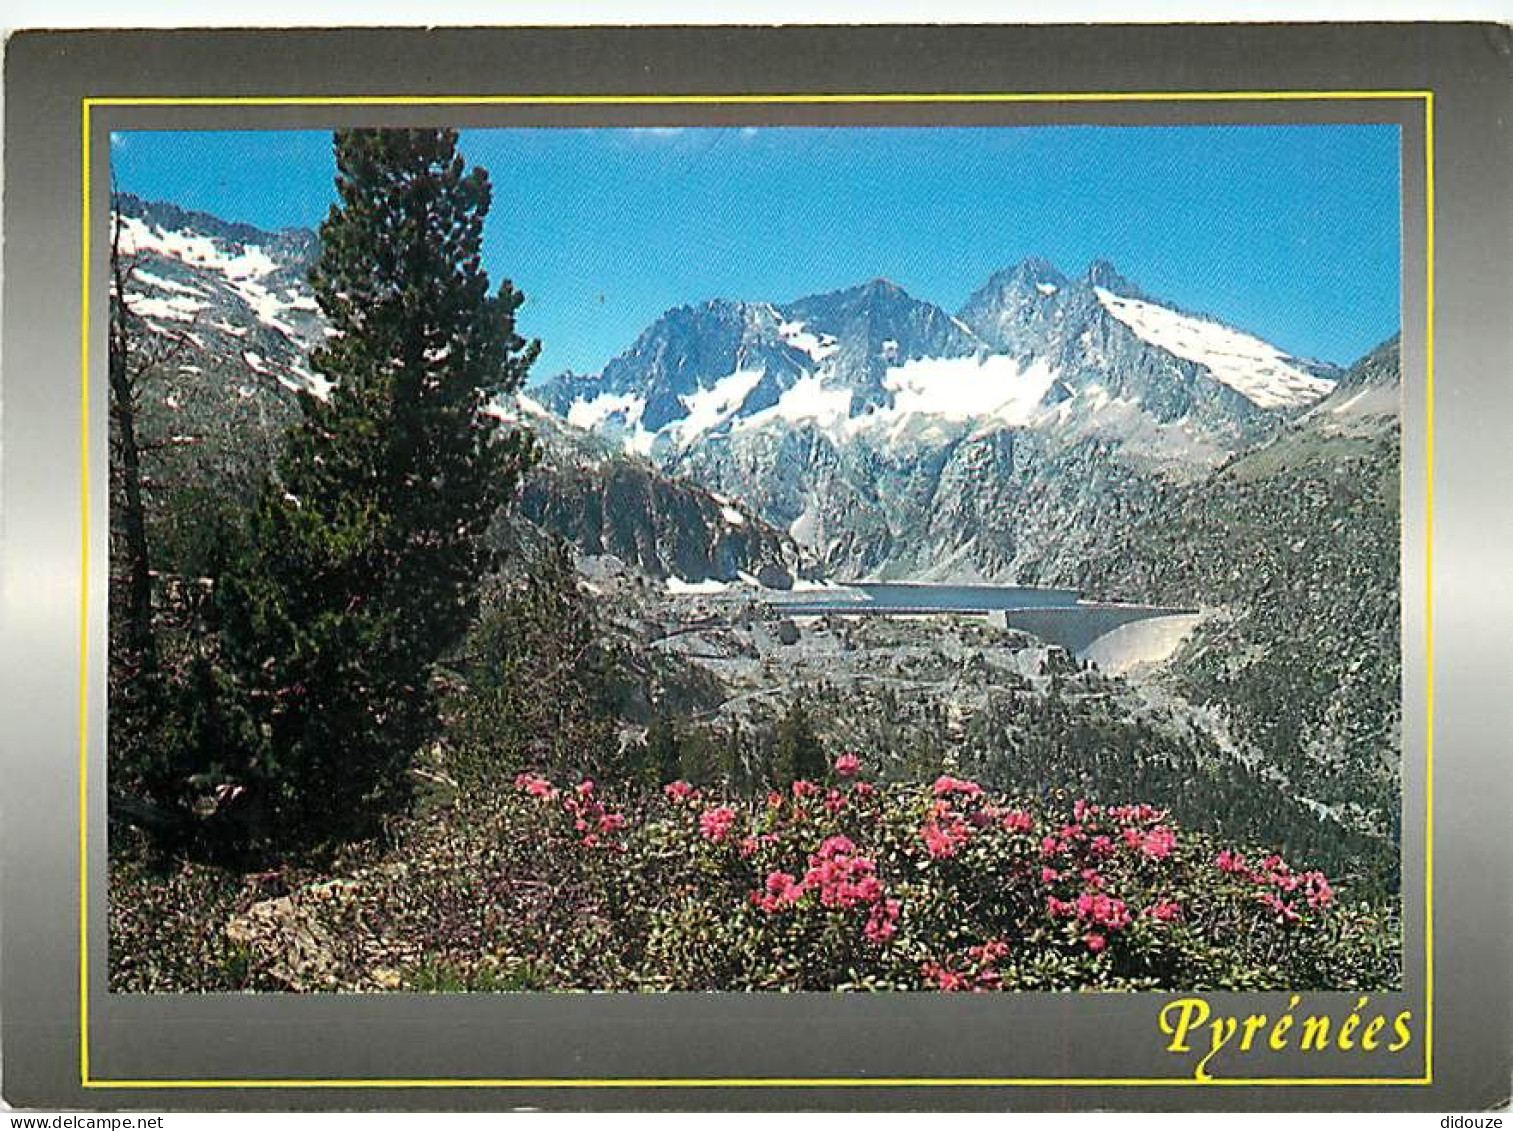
[872, 290]
[1031, 270]
[1102, 273]
[169, 216]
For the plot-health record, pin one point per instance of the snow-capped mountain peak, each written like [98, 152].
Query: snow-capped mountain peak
[1256, 370]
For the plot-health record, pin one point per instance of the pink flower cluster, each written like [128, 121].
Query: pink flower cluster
[1092, 907]
[946, 784]
[782, 890]
[715, 823]
[751, 845]
[979, 972]
[946, 830]
[535, 785]
[680, 791]
[1015, 820]
[840, 878]
[592, 819]
[1095, 909]
[943, 834]
[848, 765]
[1134, 825]
[1277, 880]
[1156, 843]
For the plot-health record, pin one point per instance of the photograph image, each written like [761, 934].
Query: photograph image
[754, 557]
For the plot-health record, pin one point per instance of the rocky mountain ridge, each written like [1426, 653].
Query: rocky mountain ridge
[230, 317]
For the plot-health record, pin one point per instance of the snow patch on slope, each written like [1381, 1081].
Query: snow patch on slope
[176, 308]
[243, 269]
[967, 388]
[711, 407]
[615, 415]
[806, 400]
[1255, 369]
[817, 346]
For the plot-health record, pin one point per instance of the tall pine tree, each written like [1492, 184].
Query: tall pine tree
[360, 563]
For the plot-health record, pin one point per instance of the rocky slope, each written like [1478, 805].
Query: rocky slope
[224, 318]
[1295, 545]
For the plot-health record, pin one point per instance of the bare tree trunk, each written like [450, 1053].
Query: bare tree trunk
[137, 629]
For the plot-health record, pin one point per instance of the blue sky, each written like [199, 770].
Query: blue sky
[1291, 232]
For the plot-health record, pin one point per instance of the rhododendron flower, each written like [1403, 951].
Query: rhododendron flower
[943, 976]
[847, 765]
[679, 790]
[1101, 846]
[774, 799]
[835, 801]
[1049, 875]
[1320, 894]
[1286, 913]
[1158, 843]
[943, 840]
[782, 891]
[1049, 846]
[585, 787]
[1016, 820]
[1057, 907]
[1166, 910]
[863, 789]
[803, 788]
[842, 880]
[1104, 910]
[1081, 809]
[610, 822]
[1228, 861]
[714, 824]
[535, 785]
[988, 979]
[882, 921]
[990, 951]
[1138, 814]
[1095, 942]
[947, 784]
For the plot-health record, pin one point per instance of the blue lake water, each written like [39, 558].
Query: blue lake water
[882, 595]
[901, 594]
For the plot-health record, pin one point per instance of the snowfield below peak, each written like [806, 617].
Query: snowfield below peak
[968, 388]
[1259, 372]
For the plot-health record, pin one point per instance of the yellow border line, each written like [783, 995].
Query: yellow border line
[84, 299]
[654, 1082]
[1429, 585]
[87, 106]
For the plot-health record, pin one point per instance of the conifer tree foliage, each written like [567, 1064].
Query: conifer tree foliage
[800, 753]
[361, 561]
